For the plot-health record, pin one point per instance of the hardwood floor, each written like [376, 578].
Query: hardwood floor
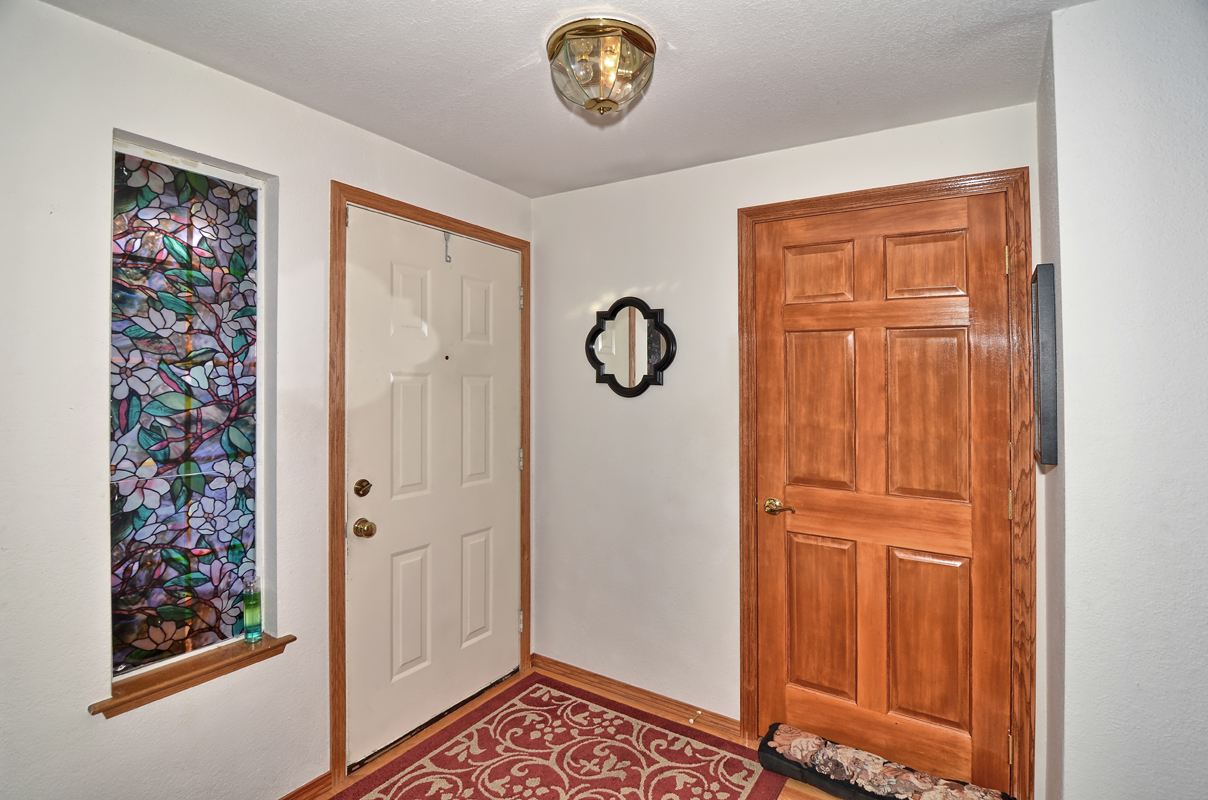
[795, 790]
[638, 698]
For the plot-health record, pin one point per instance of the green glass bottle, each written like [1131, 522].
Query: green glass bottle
[251, 612]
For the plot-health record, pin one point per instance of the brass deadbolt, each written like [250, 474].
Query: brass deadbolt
[361, 487]
[364, 528]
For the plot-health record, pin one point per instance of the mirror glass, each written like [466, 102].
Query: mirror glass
[629, 347]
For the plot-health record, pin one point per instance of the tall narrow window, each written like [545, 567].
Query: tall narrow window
[182, 409]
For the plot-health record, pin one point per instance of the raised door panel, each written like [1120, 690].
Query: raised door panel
[476, 408]
[928, 431]
[475, 311]
[410, 608]
[409, 433]
[819, 273]
[822, 614]
[475, 586]
[821, 407]
[925, 265]
[409, 296]
[930, 635]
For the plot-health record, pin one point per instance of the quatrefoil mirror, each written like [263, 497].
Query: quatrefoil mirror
[630, 346]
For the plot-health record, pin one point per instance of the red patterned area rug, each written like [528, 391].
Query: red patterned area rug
[542, 739]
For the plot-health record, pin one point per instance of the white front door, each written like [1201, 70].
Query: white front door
[433, 423]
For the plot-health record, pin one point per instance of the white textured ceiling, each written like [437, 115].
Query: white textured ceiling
[467, 82]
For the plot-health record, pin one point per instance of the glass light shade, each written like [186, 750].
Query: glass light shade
[600, 64]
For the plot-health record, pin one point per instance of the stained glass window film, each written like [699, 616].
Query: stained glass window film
[182, 409]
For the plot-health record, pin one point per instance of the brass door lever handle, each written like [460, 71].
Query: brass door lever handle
[774, 506]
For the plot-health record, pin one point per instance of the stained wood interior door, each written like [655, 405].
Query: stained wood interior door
[883, 420]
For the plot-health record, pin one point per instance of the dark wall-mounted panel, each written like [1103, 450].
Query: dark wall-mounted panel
[1044, 362]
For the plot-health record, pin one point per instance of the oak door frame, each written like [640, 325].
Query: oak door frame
[341, 196]
[1014, 184]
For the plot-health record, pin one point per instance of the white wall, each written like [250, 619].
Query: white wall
[65, 85]
[1132, 143]
[635, 502]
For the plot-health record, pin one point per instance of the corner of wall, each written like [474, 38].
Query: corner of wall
[1050, 736]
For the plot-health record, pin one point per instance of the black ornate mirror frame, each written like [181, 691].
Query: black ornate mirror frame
[655, 375]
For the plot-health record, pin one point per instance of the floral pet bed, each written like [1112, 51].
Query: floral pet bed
[852, 774]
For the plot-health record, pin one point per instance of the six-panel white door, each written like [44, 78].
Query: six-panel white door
[433, 423]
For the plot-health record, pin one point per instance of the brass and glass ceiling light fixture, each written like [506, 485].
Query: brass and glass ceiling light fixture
[600, 63]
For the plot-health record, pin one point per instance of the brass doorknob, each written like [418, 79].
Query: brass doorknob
[364, 528]
[774, 506]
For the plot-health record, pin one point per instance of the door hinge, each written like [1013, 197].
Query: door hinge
[1010, 749]
[1007, 252]
[347, 215]
[522, 620]
[522, 459]
[522, 297]
[1010, 505]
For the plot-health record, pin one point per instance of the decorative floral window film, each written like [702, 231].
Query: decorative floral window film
[182, 409]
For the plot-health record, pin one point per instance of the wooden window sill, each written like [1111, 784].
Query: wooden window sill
[159, 683]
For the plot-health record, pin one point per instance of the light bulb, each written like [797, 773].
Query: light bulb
[609, 56]
[583, 71]
[579, 48]
[608, 62]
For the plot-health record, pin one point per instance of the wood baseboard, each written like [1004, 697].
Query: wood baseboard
[674, 710]
[320, 787]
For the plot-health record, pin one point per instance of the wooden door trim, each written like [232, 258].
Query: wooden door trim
[342, 195]
[1014, 183]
